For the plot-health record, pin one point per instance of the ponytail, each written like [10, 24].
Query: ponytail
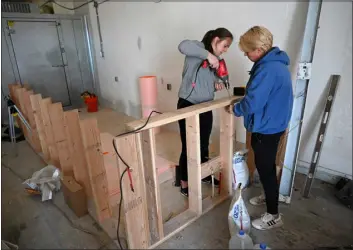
[221, 33]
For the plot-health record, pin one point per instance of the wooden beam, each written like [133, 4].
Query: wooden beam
[227, 138]
[30, 113]
[194, 163]
[79, 162]
[111, 168]
[49, 133]
[94, 157]
[35, 103]
[211, 167]
[134, 203]
[57, 121]
[169, 117]
[152, 185]
[251, 157]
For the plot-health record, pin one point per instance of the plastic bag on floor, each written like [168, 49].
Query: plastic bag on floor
[238, 217]
[46, 181]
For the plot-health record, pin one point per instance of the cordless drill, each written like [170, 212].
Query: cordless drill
[221, 72]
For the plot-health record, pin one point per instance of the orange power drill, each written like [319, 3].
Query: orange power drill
[221, 72]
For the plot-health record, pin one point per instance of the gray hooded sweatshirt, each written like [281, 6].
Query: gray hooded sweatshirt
[204, 90]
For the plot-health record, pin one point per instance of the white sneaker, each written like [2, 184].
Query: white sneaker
[267, 221]
[258, 200]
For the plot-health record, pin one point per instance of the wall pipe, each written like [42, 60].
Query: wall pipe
[99, 29]
[293, 142]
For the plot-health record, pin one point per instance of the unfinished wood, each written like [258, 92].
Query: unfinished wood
[31, 120]
[180, 114]
[56, 115]
[96, 171]
[13, 93]
[211, 167]
[194, 163]
[111, 168]
[49, 133]
[227, 138]
[281, 151]
[21, 107]
[35, 103]
[79, 163]
[134, 203]
[152, 186]
[109, 120]
[251, 157]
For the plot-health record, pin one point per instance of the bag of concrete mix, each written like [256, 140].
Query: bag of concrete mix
[240, 170]
[238, 216]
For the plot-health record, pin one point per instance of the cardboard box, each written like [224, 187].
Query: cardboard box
[74, 196]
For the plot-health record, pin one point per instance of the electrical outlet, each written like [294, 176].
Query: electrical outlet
[116, 79]
[169, 86]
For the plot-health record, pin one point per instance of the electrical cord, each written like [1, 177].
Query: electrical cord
[126, 169]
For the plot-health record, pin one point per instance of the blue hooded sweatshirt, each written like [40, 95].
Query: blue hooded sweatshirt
[268, 101]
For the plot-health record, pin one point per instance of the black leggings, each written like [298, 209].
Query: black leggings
[206, 120]
[265, 150]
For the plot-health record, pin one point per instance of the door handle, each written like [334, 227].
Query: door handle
[60, 65]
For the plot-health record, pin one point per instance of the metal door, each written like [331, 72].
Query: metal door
[39, 58]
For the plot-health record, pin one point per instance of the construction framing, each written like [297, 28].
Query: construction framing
[80, 149]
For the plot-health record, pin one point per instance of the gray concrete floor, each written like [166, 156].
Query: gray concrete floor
[315, 222]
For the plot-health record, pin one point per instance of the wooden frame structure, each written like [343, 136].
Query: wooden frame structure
[138, 150]
[84, 150]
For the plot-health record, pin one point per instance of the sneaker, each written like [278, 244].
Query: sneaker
[208, 180]
[258, 200]
[184, 191]
[267, 221]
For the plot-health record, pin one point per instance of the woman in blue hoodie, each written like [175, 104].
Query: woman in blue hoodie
[266, 108]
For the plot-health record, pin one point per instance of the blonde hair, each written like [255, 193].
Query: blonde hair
[257, 37]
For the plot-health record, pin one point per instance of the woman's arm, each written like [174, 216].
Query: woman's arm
[257, 94]
[193, 48]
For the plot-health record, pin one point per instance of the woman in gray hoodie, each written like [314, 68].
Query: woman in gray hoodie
[198, 86]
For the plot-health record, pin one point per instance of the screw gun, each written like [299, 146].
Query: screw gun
[221, 72]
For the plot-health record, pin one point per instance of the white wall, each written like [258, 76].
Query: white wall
[159, 27]
[333, 55]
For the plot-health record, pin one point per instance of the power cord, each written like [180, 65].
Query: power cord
[126, 169]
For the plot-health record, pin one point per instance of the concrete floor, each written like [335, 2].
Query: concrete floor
[26, 221]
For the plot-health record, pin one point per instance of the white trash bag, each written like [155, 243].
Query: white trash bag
[238, 217]
[46, 181]
[240, 170]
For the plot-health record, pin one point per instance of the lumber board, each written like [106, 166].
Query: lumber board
[56, 115]
[49, 133]
[169, 117]
[251, 157]
[134, 203]
[152, 185]
[31, 120]
[35, 103]
[211, 167]
[21, 106]
[194, 163]
[96, 171]
[111, 168]
[79, 162]
[227, 141]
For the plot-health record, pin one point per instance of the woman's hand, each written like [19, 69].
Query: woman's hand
[213, 60]
[219, 86]
[229, 108]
